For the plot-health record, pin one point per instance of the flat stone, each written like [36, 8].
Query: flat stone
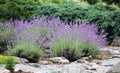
[81, 61]
[3, 70]
[60, 60]
[102, 69]
[20, 60]
[73, 68]
[40, 69]
[92, 66]
[45, 62]
[116, 56]
[115, 69]
[115, 52]
[110, 62]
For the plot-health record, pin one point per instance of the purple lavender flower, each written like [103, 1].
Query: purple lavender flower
[46, 32]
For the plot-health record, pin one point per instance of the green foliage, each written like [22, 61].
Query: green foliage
[9, 62]
[54, 1]
[106, 17]
[28, 51]
[90, 49]
[45, 10]
[16, 9]
[112, 1]
[67, 48]
[92, 1]
[117, 2]
[101, 7]
[73, 50]
[67, 11]
[5, 35]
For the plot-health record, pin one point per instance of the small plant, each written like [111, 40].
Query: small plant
[8, 61]
[25, 50]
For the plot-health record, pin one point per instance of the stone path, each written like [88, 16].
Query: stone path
[95, 66]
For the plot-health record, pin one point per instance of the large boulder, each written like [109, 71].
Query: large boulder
[115, 69]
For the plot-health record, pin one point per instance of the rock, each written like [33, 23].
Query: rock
[24, 68]
[105, 54]
[114, 52]
[3, 70]
[116, 41]
[116, 56]
[72, 68]
[102, 69]
[114, 48]
[86, 58]
[36, 65]
[60, 60]
[21, 60]
[110, 62]
[40, 69]
[92, 66]
[44, 62]
[81, 61]
[20, 71]
[84, 67]
[115, 69]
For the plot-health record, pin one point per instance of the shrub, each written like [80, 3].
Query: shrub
[101, 7]
[104, 19]
[92, 1]
[5, 35]
[9, 62]
[36, 31]
[66, 12]
[112, 1]
[19, 9]
[25, 50]
[76, 41]
[67, 48]
[90, 49]
[54, 1]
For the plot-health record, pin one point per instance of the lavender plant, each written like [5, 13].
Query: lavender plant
[26, 50]
[77, 40]
[37, 31]
[5, 34]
